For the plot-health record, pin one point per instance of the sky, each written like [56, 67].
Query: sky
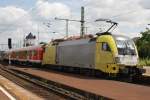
[20, 17]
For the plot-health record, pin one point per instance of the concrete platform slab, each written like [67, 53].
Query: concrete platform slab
[4, 95]
[17, 91]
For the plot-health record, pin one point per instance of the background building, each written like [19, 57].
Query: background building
[29, 40]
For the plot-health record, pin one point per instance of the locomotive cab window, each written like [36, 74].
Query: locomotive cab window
[105, 47]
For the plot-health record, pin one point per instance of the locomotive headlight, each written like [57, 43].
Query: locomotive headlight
[117, 59]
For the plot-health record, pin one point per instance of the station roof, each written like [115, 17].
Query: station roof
[30, 36]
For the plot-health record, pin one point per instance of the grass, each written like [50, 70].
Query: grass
[144, 62]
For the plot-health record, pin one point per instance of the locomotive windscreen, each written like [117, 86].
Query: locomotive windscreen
[125, 46]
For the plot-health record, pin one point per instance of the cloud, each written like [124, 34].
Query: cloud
[46, 12]
[12, 17]
[145, 4]
[128, 13]
[17, 22]
[13, 20]
[50, 10]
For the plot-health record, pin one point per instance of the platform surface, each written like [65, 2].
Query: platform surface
[15, 91]
[147, 73]
[107, 88]
[3, 94]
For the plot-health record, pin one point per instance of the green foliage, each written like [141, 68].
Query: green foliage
[143, 45]
[144, 62]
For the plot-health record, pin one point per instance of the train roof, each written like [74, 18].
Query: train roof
[25, 48]
[75, 42]
[82, 40]
[121, 36]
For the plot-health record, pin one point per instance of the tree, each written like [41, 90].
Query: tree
[143, 44]
[44, 43]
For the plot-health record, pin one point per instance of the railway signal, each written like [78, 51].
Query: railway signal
[9, 46]
[9, 43]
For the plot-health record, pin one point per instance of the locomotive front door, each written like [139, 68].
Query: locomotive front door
[104, 56]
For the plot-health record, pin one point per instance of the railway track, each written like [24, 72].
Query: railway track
[30, 86]
[62, 90]
[144, 80]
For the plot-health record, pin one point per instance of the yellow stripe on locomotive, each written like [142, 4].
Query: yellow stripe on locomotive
[105, 53]
[49, 56]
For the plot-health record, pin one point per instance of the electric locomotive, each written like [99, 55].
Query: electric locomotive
[110, 54]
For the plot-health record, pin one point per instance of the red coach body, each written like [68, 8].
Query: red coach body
[31, 54]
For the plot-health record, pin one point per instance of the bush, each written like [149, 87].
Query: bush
[143, 45]
[144, 62]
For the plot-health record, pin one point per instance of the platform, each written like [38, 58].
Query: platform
[11, 91]
[4, 95]
[147, 73]
[107, 88]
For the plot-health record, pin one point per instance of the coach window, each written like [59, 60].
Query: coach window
[35, 53]
[105, 47]
[32, 53]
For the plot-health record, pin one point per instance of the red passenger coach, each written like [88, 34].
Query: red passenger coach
[26, 55]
